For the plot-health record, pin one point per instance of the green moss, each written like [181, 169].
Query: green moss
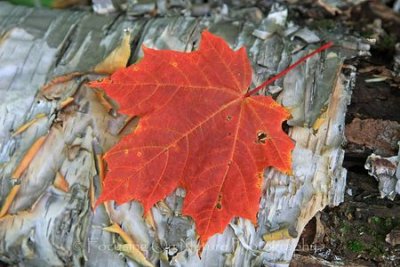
[355, 246]
[364, 237]
[376, 251]
[389, 223]
[387, 42]
[46, 3]
[376, 220]
[324, 24]
[367, 33]
[345, 228]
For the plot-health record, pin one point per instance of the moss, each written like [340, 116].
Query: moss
[376, 252]
[376, 220]
[46, 3]
[345, 228]
[323, 24]
[387, 42]
[355, 246]
[367, 33]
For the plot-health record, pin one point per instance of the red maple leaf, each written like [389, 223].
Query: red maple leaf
[198, 128]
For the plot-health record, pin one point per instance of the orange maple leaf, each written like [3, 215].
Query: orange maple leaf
[198, 128]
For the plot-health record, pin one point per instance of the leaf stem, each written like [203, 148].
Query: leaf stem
[285, 71]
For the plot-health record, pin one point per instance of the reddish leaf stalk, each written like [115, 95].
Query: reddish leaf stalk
[291, 67]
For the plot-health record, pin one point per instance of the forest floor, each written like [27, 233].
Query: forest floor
[355, 232]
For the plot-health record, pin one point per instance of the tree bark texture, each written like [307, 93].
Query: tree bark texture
[52, 225]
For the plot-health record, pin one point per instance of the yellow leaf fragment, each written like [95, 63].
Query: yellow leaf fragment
[9, 199]
[164, 209]
[25, 126]
[29, 155]
[92, 196]
[148, 217]
[118, 58]
[130, 251]
[115, 228]
[26, 160]
[66, 102]
[285, 233]
[320, 120]
[130, 248]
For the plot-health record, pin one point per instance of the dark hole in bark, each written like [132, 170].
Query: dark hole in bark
[285, 127]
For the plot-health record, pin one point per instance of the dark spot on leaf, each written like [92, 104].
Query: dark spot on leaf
[219, 205]
[261, 137]
[229, 117]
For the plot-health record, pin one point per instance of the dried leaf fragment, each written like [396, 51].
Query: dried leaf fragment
[24, 127]
[118, 58]
[130, 247]
[29, 155]
[26, 160]
[9, 199]
[284, 233]
[61, 183]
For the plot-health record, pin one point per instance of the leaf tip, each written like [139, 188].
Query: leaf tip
[94, 84]
[146, 50]
[206, 33]
[99, 201]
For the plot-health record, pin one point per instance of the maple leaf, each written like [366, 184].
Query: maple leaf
[199, 128]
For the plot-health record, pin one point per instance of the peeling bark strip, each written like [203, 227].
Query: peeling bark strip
[50, 223]
[26, 160]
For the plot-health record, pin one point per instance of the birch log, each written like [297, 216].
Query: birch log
[50, 222]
